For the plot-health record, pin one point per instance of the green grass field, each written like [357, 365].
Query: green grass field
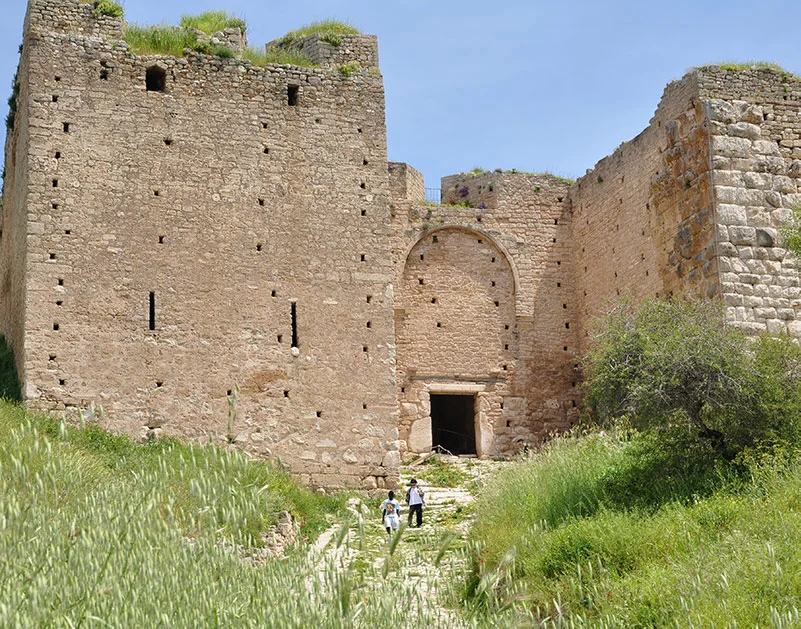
[96, 530]
[584, 555]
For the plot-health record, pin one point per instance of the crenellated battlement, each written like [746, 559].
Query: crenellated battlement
[71, 17]
[355, 51]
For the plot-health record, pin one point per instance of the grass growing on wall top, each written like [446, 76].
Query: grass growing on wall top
[734, 66]
[159, 40]
[211, 22]
[105, 7]
[329, 30]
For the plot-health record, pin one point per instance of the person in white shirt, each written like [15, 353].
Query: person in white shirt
[390, 509]
[415, 498]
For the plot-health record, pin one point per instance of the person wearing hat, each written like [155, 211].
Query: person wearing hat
[415, 498]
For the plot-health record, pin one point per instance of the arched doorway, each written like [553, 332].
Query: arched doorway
[455, 339]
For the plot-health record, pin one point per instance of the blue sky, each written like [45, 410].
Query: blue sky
[520, 84]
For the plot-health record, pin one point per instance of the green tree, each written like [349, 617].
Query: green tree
[678, 369]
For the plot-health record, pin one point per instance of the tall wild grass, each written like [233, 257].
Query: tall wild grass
[715, 549]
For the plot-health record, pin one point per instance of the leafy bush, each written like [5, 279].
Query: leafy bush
[107, 7]
[211, 22]
[348, 69]
[677, 370]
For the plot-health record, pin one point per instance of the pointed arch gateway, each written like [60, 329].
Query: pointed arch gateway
[455, 340]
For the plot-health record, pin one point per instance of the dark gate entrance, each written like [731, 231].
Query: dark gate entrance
[453, 423]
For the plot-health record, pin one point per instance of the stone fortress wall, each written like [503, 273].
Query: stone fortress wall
[693, 205]
[180, 233]
[484, 301]
[210, 234]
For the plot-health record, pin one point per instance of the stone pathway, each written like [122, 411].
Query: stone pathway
[426, 557]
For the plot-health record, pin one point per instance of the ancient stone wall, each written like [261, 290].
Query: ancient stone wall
[202, 247]
[755, 125]
[642, 223]
[484, 306]
[693, 205]
[405, 183]
[228, 228]
[70, 17]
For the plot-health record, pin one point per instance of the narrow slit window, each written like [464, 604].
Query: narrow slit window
[152, 309]
[66, 127]
[292, 95]
[294, 314]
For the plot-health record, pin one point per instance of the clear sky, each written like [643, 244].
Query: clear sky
[537, 86]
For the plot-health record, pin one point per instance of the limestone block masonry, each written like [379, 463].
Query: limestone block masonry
[210, 249]
[167, 247]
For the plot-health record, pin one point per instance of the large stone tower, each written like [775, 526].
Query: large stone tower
[178, 228]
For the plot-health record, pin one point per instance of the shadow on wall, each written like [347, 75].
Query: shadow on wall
[9, 380]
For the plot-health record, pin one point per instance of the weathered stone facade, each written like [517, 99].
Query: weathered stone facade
[187, 241]
[208, 248]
